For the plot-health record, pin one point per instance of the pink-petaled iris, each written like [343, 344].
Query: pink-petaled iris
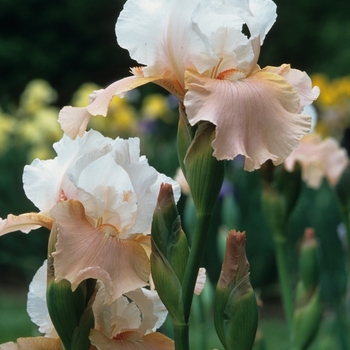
[319, 158]
[205, 53]
[101, 194]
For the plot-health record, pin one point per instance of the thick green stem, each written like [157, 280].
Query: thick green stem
[194, 261]
[283, 275]
[181, 335]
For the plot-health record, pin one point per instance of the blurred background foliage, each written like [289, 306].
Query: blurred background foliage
[57, 53]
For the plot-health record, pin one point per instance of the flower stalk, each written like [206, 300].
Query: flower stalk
[280, 193]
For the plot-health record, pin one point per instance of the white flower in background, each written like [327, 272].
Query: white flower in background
[199, 51]
[102, 195]
[319, 158]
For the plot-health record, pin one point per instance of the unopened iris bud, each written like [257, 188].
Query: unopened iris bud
[169, 252]
[204, 173]
[236, 310]
[308, 306]
[309, 260]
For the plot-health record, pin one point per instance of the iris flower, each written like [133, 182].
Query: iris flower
[130, 322]
[319, 158]
[101, 195]
[205, 52]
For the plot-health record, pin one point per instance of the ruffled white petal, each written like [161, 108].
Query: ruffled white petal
[152, 309]
[45, 181]
[159, 35]
[36, 304]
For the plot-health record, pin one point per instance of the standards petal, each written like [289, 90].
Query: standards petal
[24, 223]
[159, 35]
[254, 116]
[83, 251]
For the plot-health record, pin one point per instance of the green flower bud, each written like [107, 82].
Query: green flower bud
[307, 319]
[167, 232]
[204, 173]
[308, 306]
[167, 284]
[309, 260]
[169, 253]
[235, 309]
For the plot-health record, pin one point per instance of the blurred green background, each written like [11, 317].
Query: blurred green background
[49, 51]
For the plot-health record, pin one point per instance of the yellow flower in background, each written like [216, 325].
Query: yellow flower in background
[37, 94]
[81, 96]
[155, 106]
[33, 124]
[333, 92]
[40, 130]
[333, 105]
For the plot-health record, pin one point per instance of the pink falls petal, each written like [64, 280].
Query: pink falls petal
[24, 223]
[74, 120]
[254, 116]
[39, 343]
[83, 251]
[300, 81]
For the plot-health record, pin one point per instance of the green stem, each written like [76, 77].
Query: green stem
[194, 261]
[342, 325]
[181, 336]
[283, 275]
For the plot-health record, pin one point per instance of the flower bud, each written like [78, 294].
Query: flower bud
[169, 252]
[204, 173]
[307, 318]
[235, 310]
[308, 306]
[309, 260]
